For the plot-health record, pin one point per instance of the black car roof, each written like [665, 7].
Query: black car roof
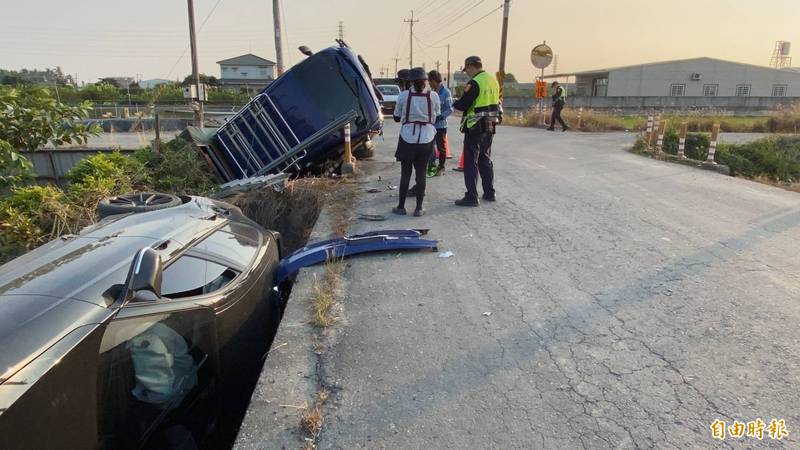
[59, 286]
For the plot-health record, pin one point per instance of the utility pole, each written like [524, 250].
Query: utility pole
[411, 23]
[341, 30]
[276, 20]
[501, 73]
[396, 59]
[437, 66]
[449, 75]
[199, 113]
[555, 64]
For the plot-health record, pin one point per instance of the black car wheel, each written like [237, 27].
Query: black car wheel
[136, 203]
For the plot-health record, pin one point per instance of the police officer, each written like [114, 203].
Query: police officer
[482, 112]
[559, 99]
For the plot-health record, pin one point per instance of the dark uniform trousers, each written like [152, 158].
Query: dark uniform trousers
[477, 161]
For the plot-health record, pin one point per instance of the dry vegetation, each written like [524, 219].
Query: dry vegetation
[784, 120]
[312, 420]
[325, 295]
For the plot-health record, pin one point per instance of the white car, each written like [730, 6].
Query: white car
[389, 93]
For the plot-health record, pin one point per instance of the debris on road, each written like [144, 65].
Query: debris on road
[487, 313]
[372, 217]
[340, 248]
[373, 191]
[447, 254]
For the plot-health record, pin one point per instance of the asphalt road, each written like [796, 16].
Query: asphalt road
[607, 300]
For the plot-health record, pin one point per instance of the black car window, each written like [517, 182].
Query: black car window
[235, 242]
[190, 276]
[213, 263]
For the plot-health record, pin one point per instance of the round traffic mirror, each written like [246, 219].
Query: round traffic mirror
[541, 56]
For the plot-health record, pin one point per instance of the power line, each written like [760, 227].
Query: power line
[180, 58]
[441, 7]
[449, 21]
[425, 4]
[471, 24]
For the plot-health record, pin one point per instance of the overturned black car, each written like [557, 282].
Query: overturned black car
[125, 335]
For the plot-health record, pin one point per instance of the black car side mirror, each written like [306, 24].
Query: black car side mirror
[144, 274]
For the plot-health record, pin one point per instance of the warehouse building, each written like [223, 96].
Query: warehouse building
[697, 77]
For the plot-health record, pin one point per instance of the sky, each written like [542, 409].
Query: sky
[149, 39]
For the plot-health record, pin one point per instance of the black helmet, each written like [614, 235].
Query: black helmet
[402, 75]
[417, 74]
[473, 61]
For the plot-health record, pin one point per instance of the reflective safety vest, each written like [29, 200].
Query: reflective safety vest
[488, 102]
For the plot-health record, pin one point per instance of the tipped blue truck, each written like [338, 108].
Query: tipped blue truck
[296, 123]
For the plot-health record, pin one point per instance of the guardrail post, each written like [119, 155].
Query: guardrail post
[712, 148]
[157, 128]
[682, 140]
[652, 139]
[649, 127]
[580, 113]
[662, 128]
[347, 163]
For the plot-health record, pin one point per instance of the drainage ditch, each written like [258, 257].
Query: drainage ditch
[293, 213]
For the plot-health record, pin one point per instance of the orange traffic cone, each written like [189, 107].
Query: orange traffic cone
[447, 148]
[460, 167]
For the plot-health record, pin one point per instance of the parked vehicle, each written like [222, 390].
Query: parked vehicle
[297, 121]
[390, 93]
[126, 335]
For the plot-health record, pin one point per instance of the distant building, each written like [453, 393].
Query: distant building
[696, 77]
[123, 82]
[246, 73]
[149, 84]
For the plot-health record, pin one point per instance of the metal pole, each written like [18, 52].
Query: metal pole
[411, 23]
[195, 73]
[449, 75]
[157, 127]
[276, 19]
[501, 74]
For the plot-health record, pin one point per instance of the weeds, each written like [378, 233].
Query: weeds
[785, 120]
[312, 419]
[325, 294]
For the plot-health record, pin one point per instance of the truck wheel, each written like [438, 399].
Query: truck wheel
[136, 203]
[365, 150]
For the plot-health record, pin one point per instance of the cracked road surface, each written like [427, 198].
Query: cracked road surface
[632, 302]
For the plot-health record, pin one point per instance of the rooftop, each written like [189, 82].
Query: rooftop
[247, 60]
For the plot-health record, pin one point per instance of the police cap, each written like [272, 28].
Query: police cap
[473, 61]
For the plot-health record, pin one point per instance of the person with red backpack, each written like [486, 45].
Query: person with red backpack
[417, 110]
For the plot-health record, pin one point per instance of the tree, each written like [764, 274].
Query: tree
[101, 92]
[510, 78]
[30, 118]
[13, 79]
[109, 81]
[210, 80]
[14, 168]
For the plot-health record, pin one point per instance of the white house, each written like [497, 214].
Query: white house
[247, 72]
